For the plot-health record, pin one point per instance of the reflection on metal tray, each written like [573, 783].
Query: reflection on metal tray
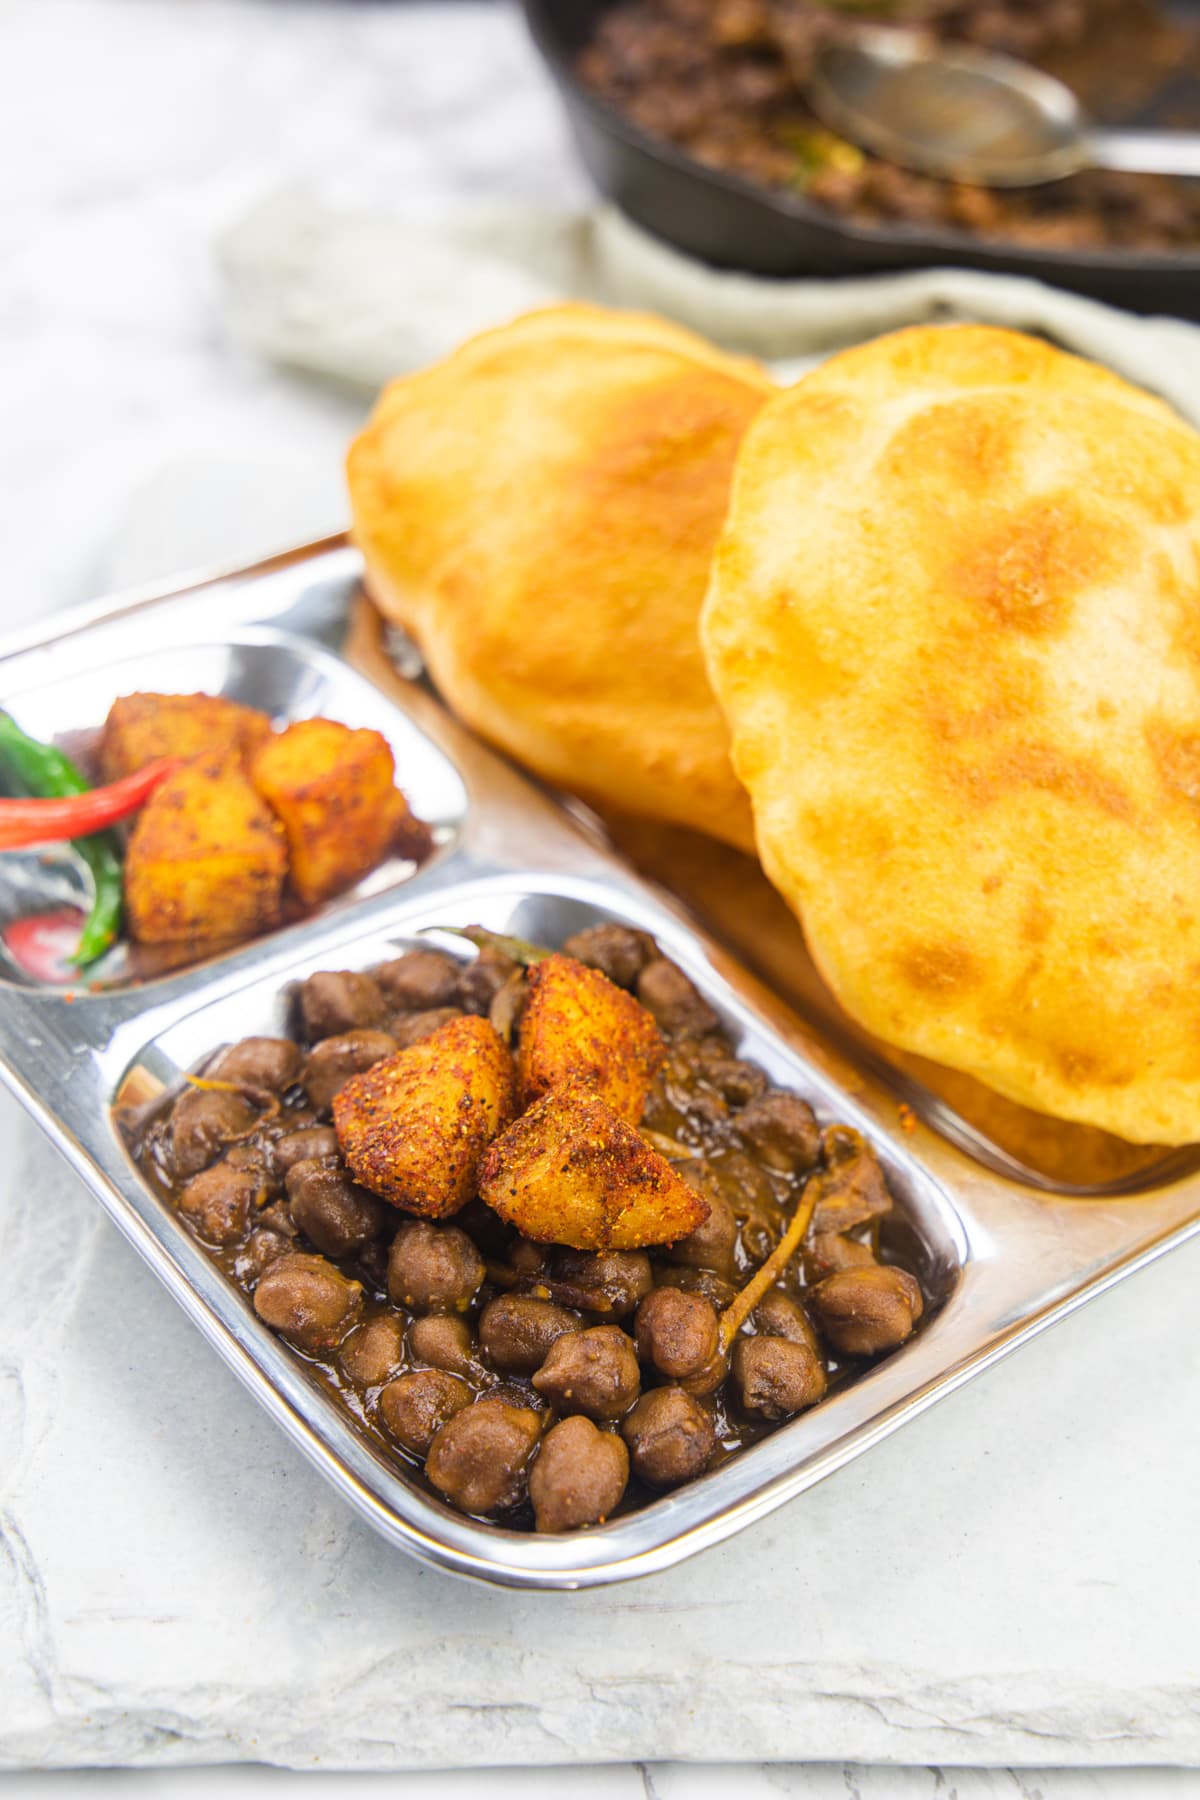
[1005, 1257]
[732, 222]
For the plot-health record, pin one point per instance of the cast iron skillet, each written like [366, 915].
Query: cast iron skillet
[732, 223]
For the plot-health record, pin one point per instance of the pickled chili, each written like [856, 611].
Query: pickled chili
[48, 777]
[47, 818]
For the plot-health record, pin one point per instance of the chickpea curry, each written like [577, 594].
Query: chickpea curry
[540, 1229]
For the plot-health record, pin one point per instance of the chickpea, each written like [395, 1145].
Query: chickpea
[670, 1435]
[865, 1311]
[579, 1476]
[479, 1457]
[433, 1268]
[308, 1301]
[676, 1332]
[414, 1407]
[777, 1377]
[594, 1372]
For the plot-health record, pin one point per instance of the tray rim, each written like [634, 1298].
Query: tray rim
[1151, 1227]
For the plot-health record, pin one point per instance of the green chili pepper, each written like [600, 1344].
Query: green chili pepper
[43, 769]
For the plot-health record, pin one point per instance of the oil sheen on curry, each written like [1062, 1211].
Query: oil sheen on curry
[542, 1231]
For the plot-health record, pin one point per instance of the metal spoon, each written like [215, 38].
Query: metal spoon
[974, 115]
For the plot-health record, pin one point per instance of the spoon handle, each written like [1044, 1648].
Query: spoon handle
[1146, 152]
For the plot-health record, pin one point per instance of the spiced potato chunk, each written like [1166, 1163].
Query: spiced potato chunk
[206, 859]
[334, 791]
[414, 1127]
[579, 1027]
[572, 1172]
[142, 727]
[545, 1310]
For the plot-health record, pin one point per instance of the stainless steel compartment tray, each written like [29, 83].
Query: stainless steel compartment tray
[1005, 1259]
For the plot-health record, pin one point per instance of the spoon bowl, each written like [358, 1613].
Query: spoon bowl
[972, 115]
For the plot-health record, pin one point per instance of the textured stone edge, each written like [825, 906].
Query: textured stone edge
[403, 1713]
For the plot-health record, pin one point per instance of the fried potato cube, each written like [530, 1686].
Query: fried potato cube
[414, 1127]
[570, 1171]
[206, 859]
[140, 727]
[334, 790]
[579, 1026]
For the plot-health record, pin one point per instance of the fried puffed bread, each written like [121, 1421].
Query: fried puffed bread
[539, 511]
[954, 623]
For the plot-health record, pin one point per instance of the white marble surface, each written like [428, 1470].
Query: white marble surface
[1014, 1578]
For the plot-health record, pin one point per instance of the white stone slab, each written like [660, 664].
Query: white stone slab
[1015, 1576]
[1012, 1578]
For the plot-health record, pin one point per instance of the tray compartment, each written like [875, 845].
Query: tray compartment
[145, 1079]
[276, 672]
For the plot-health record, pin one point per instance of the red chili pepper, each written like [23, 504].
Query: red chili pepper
[38, 821]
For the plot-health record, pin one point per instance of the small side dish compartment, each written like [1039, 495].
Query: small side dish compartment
[284, 678]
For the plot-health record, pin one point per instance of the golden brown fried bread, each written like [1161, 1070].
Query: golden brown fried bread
[206, 859]
[572, 1171]
[579, 1026]
[539, 511]
[140, 727]
[414, 1127]
[954, 622]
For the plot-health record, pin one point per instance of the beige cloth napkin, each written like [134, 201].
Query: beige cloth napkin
[363, 296]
